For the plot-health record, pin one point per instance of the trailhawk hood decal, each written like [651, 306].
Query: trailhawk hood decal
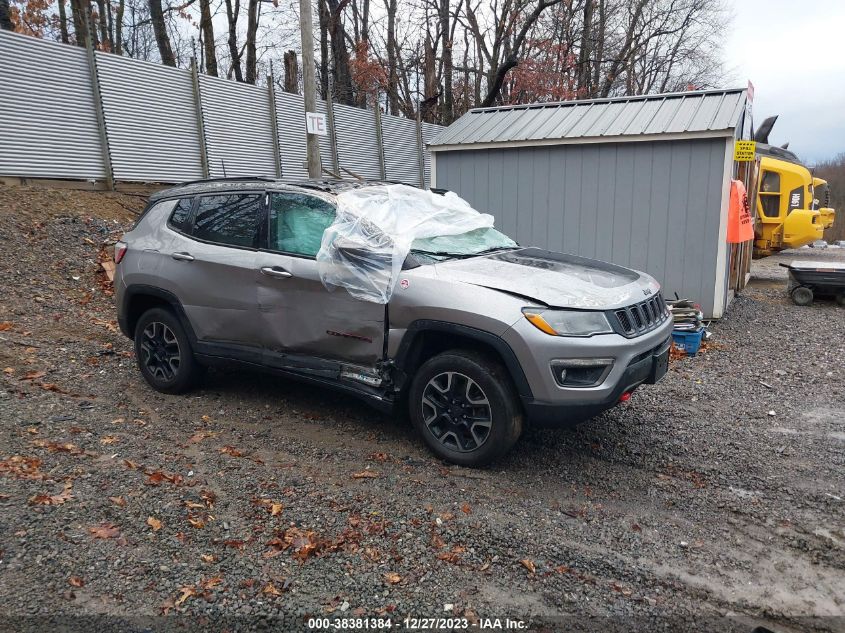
[558, 280]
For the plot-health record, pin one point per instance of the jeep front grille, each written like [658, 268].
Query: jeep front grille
[641, 317]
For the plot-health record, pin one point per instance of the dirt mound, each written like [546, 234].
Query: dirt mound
[37, 203]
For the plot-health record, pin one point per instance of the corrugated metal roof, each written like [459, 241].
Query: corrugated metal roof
[675, 113]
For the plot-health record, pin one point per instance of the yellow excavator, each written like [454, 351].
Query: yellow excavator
[793, 207]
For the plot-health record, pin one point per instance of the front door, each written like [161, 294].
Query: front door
[304, 323]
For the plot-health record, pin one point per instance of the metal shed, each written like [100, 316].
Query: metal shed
[639, 181]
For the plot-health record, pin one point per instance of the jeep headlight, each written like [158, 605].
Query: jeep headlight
[568, 322]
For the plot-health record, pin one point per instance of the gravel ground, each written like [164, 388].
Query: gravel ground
[713, 501]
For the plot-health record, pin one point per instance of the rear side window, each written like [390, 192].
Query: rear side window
[297, 223]
[180, 219]
[230, 219]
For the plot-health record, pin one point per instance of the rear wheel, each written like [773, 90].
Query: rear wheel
[802, 296]
[465, 408]
[164, 353]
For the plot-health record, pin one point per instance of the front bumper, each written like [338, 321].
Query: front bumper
[636, 361]
[649, 369]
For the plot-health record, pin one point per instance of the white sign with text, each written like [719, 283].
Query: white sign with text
[315, 123]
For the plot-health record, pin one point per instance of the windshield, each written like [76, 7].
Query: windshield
[469, 243]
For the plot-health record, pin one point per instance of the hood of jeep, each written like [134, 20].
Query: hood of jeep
[555, 279]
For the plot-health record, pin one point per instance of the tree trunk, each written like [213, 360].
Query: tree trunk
[291, 73]
[447, 106]
[251, 36]
[160, 31]
[103, 23]
[584, 74]
[77, 12]
[207, 29]
[62, 19]
[5, 16]
[430, 92]
[232, 17]
[324, 49]
[392, 75]
[342, 85]
[118, 28]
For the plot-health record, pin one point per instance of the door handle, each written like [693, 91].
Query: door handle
[276, 271]
[183, 257]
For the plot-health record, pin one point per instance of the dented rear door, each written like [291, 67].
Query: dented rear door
[303, 323]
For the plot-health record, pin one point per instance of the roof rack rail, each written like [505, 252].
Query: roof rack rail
[227, 179]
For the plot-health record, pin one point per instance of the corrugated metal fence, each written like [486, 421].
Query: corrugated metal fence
[67, 113]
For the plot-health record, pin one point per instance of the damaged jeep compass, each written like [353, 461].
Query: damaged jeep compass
[409, 299]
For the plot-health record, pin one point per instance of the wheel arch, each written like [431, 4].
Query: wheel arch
[139, 298]
[426, 338]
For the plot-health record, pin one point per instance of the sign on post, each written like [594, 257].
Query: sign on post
[315, 123]
[744, 151]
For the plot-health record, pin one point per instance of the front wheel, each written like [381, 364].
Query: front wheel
[465, 408]
[164, 353]
[802, 296]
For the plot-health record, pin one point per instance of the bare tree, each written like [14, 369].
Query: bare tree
[160, 30]
[207, 31]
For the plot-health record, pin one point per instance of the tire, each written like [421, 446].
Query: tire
[840, 299]
[163, 352]
[802, 296]
[453, 388]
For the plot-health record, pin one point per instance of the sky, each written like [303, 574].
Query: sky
[794, 54]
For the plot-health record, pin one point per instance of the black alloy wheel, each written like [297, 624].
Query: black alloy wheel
[457, 411]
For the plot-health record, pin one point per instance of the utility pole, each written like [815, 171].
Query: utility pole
[312, 142]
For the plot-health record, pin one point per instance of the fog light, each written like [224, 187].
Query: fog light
[581, 372]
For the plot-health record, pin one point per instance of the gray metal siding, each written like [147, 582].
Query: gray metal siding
[290, 113]
[357, 141]
[653, 206]
[238, 130]
[150, 120]
[400, 142]
[48, 124]
[429, 133]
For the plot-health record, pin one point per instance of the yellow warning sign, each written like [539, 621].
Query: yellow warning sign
[744, 151]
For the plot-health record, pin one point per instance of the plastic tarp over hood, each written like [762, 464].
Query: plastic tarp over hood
[364, 249]
[558, 280]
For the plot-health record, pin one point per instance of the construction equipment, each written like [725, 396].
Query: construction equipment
[789, 211]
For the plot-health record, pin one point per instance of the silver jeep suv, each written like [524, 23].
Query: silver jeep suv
[479, 336]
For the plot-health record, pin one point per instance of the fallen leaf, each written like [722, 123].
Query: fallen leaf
[211, 582]
[53, 500]
[154, 523]
[118, 501]
[393, 578]
[528, 564]
[104, 531]
[270, 590]
[276, 509]
[186, 592]
[6, 325]
[207, 558]
[22, 467]
[196, 522]
[33, 375]
[466, 509]
[379, 457]
[231, 450]
[76, 581]
[130, 464]
[9, 370]
[366, 474]
[109, 439]
[193, 505]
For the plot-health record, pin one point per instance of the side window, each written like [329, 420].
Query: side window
[180, 219]
[770, 194]
[297, 223]
[228, 219]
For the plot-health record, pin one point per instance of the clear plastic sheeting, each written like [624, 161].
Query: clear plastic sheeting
[364, 249]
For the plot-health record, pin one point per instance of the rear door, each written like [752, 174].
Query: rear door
[303, 322]
[215, 268]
